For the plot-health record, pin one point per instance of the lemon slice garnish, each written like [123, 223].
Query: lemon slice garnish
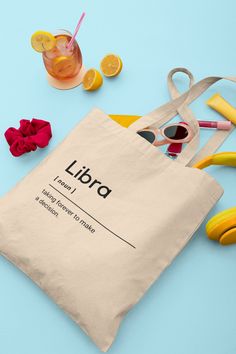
[63, 67]
[43, 41]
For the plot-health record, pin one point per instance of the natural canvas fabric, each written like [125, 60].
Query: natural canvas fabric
[96, 223]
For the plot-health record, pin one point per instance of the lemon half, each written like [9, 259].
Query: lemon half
[111, 65]
[92, 80]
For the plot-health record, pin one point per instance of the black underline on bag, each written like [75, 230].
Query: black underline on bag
[113, 233]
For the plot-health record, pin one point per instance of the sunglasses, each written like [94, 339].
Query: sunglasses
[174, 133]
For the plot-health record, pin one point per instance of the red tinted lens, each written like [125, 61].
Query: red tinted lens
[176, 132]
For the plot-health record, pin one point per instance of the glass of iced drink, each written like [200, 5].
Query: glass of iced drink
[61, 62]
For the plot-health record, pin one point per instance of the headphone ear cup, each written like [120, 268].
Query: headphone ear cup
[228, 237]
[221, 227]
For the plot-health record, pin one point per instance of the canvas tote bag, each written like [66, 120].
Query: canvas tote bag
[96, 223]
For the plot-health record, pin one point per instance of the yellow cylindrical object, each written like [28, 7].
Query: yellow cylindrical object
[219, 104]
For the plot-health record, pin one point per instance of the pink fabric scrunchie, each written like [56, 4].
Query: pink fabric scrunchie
[30, 135]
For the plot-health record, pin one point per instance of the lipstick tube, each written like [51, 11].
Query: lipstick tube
[221, 125]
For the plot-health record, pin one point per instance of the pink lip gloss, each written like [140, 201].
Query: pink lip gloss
[222, 125]
[175, 148]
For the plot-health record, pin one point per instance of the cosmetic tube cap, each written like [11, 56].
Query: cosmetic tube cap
[224, 125]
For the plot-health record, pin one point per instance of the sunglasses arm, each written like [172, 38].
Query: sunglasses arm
[161, 142]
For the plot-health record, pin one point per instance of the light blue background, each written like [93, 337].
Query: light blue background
[192, 308]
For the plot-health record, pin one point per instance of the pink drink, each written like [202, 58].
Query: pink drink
[60, 62]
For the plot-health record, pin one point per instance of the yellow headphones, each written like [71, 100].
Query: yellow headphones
[222, 227]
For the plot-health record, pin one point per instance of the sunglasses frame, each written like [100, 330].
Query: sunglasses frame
[167, 140]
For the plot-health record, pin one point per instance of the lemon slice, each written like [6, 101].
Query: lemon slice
[92, 80]
[43, 41]
[63, 67]
[111, 65]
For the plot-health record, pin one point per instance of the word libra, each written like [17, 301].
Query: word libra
[83, 176]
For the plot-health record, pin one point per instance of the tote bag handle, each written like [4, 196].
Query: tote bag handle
[179, 105]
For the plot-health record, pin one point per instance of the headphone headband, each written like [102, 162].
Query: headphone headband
[222, 158]
[222, 227]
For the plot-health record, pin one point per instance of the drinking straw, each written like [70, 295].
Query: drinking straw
[76, 31]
